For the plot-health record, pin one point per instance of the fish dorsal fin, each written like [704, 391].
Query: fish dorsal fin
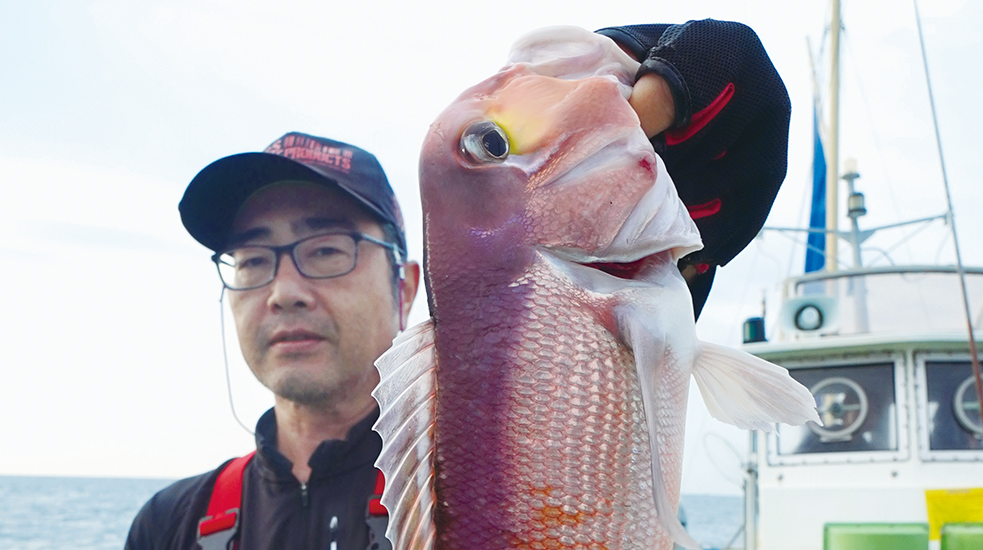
[406, 396]
[748, 392]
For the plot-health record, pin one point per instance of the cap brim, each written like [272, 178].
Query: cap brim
[217, 193]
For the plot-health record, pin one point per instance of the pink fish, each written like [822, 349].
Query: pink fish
[543, 405]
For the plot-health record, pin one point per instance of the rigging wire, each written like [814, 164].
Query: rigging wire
[801, 220]
[760, 252]
[848, 42]
[905, 240]
[730, 544]
[735, 322]
[711, 457]
[942, 244]
[974, 354]
[741, 465]
[787, 231]
[827, 24]
[886, 254]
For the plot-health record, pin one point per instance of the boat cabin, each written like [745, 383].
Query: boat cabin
[885, 353]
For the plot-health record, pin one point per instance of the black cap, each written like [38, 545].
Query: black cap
[217, 193]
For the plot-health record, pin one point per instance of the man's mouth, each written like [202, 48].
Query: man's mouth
[287, 336]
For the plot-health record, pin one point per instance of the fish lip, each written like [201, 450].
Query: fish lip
[293, 335]
[577, 256]
[628, 268]
[621, 270]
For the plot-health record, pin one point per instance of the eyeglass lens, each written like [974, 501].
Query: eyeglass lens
[321, 256]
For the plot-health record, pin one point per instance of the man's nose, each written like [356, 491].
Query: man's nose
[289, 288]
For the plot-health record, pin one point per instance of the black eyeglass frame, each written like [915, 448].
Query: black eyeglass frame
[292, 249]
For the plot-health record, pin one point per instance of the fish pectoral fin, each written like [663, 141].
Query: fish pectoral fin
[649, 347]
[748, 392]
[407, 406]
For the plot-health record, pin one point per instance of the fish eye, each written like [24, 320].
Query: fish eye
[485, 141]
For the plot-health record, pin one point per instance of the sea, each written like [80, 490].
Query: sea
[66, 513]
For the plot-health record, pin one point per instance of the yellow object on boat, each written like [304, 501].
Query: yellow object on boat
[952, 506]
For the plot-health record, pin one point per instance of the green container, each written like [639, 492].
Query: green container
[962, 536]
[876, 536]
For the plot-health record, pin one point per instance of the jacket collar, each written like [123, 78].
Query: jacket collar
[332, 457]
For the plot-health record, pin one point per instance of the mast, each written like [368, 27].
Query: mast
[751, 493]
[855, 209]
[833, 166]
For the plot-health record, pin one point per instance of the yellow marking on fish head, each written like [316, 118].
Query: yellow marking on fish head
[526, 109]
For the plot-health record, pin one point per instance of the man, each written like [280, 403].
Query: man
[309, 242]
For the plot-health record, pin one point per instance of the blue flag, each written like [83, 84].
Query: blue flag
[816, 251]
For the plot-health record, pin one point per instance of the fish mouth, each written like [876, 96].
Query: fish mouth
[622, 270]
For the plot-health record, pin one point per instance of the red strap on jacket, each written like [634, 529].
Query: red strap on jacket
[221, 521]
[375, 501]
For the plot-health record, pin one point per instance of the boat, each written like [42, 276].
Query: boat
[902, 439]
[887, 352]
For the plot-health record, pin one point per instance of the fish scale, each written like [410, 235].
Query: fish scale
[570, 461]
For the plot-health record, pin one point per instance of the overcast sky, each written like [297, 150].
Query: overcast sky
[112, 354]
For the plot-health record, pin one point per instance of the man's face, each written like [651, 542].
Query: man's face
[314, 341]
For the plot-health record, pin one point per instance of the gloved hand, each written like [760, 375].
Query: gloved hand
[652, 100]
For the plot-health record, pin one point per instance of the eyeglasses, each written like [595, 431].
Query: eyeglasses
[316, 257]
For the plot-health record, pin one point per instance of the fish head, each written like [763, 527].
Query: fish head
[548, 154]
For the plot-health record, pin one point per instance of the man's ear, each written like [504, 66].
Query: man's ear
[409, 284]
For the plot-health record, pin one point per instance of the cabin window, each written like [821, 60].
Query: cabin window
[857, 406]
[953, 407]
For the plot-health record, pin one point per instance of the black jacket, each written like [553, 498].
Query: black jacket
[277, 511]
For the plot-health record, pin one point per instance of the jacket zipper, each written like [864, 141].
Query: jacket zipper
[333, 526]
[304, 498]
